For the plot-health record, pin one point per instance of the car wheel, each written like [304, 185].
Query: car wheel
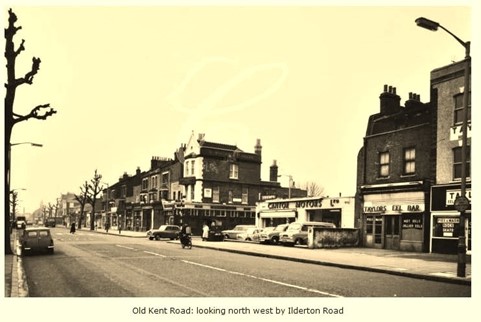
[157, 237]
[298, 242]
[50, 251]
[226, 236]
[275, 240]
[248, 239]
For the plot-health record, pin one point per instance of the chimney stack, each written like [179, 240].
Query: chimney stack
[258, 148]
[390, 101]
[273, 172]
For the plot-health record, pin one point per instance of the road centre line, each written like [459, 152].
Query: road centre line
[264, 279]
[245, 275]
[155, 254]
[121, 246]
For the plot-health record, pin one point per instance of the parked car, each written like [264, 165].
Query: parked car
[232, 233]
[215, 234]
[251, 234]
[164, 231]
[296, 233]
[21, 222]
[270, 235]
[36, 239]
[50, 222]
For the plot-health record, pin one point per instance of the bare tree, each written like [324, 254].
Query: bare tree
[39, 112]
[313, 189]
[83, 200]
[95, 187]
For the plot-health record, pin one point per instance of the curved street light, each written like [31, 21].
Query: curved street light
[461, 202]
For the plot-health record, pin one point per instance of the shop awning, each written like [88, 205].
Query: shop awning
[277, 214]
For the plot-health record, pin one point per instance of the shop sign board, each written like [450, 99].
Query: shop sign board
[394, 208]
[443, 197]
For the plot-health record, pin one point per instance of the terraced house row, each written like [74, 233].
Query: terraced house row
[204, 182]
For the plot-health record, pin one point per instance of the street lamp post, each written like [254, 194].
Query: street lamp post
[461, 202]
[8, 170]
[290, 183]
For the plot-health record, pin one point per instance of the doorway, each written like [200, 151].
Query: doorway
[392, 224]
[374, 229]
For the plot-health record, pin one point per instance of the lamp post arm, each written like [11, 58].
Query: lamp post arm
[465, 44]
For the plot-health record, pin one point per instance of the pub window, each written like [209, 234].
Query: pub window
[458, 108]
[383, 164]
[457, 162]
[245, 195]
[409, 161]
[215, 194]
[233, 171]
[231, 196]
[192, 167]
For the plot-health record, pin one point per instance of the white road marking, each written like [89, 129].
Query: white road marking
[155, 254]
[264, 279]
[245, 275]
[121, 246]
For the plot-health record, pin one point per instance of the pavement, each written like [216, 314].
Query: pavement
[428, 266]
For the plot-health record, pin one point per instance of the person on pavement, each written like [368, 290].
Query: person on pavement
[72, 228]
[205, 232]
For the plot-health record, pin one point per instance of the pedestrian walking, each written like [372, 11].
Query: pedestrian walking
[107, 226]
[72, 228]
[120, 228]
[205, 232]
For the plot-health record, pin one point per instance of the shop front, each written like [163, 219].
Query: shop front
[396, 221]
[339, 211]
[445, 228]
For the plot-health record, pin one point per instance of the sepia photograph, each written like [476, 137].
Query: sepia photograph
[203, 161]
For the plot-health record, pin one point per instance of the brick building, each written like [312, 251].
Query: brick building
[205, 182]
[447, 84]
[395, 173]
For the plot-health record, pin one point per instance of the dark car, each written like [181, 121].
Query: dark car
[21, 222]
[215, 234]
[164, 231]
[50, 222]
[36, 239]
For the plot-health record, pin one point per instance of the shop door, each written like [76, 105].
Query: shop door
[373, 237]
[391, 231]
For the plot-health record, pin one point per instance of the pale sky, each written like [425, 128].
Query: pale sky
[129, 83]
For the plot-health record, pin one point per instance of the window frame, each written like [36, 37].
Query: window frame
[409, 161]
[457, 162]
[384, 165]
[458, 102]
[233, 171]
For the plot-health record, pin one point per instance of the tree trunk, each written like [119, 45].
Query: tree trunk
[93, 218]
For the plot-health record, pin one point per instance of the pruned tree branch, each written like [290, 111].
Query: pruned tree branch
[35, 113]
